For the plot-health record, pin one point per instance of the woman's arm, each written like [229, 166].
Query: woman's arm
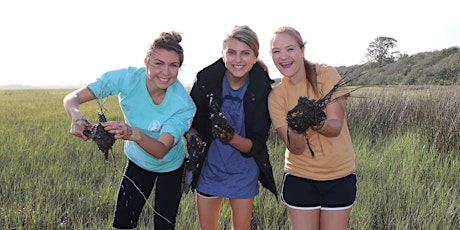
[335, 113]
[294, 141]
[71, 103]
[156, 148]
[241, 143]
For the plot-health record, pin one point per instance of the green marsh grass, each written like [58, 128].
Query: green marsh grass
[407, 153]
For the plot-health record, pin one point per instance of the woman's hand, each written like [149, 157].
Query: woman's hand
[78, 126]
[120, 129]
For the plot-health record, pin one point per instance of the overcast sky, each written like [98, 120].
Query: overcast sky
[62, 42]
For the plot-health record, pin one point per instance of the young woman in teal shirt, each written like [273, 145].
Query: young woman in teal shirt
[158, 111]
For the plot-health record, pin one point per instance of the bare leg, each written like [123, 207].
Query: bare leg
[241, 213]
[334, 219]
[304, 219]
[208, 212]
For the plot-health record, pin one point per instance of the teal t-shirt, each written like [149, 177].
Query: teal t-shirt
[174, 115]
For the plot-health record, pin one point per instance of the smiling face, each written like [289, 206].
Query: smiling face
[288, 56]
[238, 58]
[162, 68]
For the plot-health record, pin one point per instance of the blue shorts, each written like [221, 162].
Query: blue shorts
[306, 194]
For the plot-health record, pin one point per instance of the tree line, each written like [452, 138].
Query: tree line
[387, 66]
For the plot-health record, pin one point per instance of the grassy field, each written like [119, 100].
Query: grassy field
[407, 145]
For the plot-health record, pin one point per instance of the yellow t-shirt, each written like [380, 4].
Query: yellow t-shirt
[334, 156]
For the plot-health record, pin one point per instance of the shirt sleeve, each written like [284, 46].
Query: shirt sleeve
[111, 82]
[277, 109]
[181, 121]
[328, 77]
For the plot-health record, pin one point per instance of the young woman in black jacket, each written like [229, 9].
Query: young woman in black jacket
[233, 163]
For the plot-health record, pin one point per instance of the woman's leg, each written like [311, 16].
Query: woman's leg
[335, 219]
[241, 213]
[339, 201]
[167, 198]
[135, 188]
[208, 211]
[304, 219]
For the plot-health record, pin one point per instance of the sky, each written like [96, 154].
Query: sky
[66, 42]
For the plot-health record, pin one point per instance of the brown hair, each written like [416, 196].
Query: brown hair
[169, 41]
[309, 66]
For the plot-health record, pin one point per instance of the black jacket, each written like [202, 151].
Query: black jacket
[257, 119]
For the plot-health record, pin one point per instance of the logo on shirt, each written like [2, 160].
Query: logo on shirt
[155, 126]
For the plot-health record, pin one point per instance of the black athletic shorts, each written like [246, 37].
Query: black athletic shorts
[306, 194]
[205, 195]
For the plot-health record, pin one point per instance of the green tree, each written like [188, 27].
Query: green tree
[381, 51]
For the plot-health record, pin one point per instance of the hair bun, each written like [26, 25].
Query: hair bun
[172, 35]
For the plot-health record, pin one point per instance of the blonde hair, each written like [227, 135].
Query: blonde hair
[247, 36]
[309, 66]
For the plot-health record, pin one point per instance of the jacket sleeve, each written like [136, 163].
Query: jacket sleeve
[258, 120]
[201, 115]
